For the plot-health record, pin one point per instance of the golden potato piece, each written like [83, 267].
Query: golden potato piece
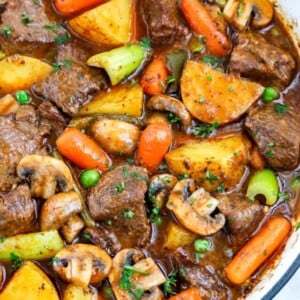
[108, 23]
[210, 95]
[121, 100]
[29, 282]
[212, 163]
[18, 72]
[73, 292]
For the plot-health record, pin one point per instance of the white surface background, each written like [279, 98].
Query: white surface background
[291, 291]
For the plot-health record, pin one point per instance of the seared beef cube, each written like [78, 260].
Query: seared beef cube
[17, 139]
[27, 21]
[255, 58]
[242, 216]
[16, 211]
[71, 86]
[119, 200]
[201, 275]
[277, 135]
[104, 238]
[163, 21]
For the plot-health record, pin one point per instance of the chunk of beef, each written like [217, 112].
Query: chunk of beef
[16, 211]
[163, 21]
[202, 276]
[51, 118]
[255, 58]
[243, 216]
[70, 87]
[26, 113]
[277, 135]
[27, 21]
[105, 239]
[17, 139]
[122, 191]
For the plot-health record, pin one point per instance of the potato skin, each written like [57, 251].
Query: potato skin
[108, 23]
[18, 72]
[116, 137]
[27, 282]
[222, 158]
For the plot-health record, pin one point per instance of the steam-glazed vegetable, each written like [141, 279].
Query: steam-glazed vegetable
[263, 183]
[29, 281]
[89, 178]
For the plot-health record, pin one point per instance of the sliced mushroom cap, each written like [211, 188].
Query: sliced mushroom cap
[160, 187]
[116, 136]
[72, 228]
[173, 105]
[58, 209]
[147, 276]
[238, 13]
[45, 174]
[82, 264]
[194, 211]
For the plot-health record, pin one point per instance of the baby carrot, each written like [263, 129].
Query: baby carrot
[155, 77]
[154, 144]
[258, 249]
[67, 7]
[189, 294]
[201, 22]
[82, 150]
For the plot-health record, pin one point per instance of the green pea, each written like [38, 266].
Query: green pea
[201, 245]
[89, 178]
[22, 97]
[263, 182]
[270, 94]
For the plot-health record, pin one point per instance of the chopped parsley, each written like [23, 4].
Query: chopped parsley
[163, 166]
[297, 226]
[183, 176]
[170, 283]
[209, 78]
[281, 109]
[128, 214]
[37, 3]
[62, 39]
[125, 172]
[25, 19]
[58, 65]
[52, 261]
[2, 239]
[220, 188]
[154, 216]
[295, 183]
[230, 89]
[211, 60]
[272, 144]
[239, 9]
[15, 260]
[112, 167]
[283, 195]
[7, 31]
[86, 237]
[210, 177]
[205, 130]
[130, 161]
[270, 153]
[120, 187]
[52, 27]
[173, 118]
[201, 100]
[145, 43]
[171, 79]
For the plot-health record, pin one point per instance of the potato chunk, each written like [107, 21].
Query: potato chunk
[210, 95]
[29, 282]
[108, 23]
[19, 72]
[212, 163]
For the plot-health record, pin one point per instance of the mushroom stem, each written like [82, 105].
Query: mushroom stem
[85, 214]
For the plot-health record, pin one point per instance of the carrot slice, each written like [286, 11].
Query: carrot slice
[82, 150]
[154, 144]
[155, 77]
[258, 249]
[189, 294]
[67, 7]
[201, 22]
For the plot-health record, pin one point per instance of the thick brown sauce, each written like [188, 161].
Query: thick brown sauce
[222, 250]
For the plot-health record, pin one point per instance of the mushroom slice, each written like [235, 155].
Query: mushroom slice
[173, 105]
[45, 173]
[58, 209]
[239, 12]
[194, 211]
[132, 271]
[160, 187]
[82, 264]
[72, 228]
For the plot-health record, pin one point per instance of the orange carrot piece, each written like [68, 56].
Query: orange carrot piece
[155, 77]
[258, 249]
[201, 22]
[82, 150]
[155, 142]
[67, 7]
[189, 294]
[256, 159]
